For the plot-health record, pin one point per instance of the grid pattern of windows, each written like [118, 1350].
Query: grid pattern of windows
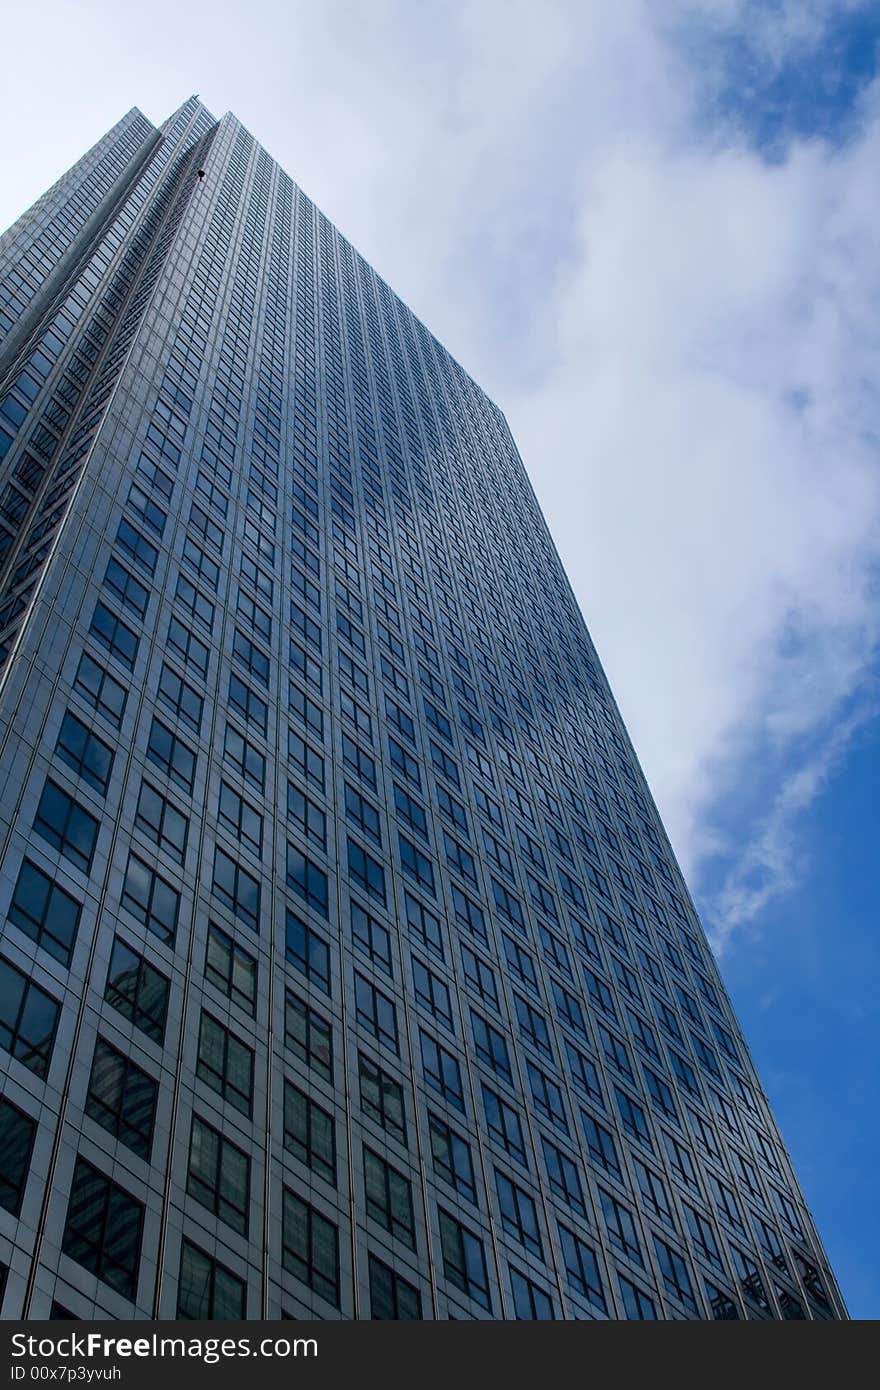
[331, 816]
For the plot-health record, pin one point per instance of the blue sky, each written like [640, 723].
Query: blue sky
[650, 231]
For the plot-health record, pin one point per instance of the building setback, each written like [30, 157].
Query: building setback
[347, 971]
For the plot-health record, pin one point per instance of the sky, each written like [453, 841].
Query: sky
[650, 232]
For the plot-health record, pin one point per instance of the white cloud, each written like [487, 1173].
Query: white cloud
[685, 337]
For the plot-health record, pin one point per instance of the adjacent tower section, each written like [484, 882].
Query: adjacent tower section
[346, 970]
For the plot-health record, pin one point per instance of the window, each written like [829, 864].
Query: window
[304, 758]
[45, 912]
[248, 704]
[653, 1190]
[621, 1227]
[366, 871]
[411, 811]
[371, 937]
[115, 635]
[207, 1291]
[90, 758]
[190, 598]
[130, 592]
[464, 1261]
[161, 822]
[636, 1304]
[634, 1119]
[236, 889]
[240, 818]
[519, 1216]
[359, 762]
[309, 1036]
[416, 864]
[582, 1269]
[307, 950]
[185, 702]
[308, 1133]
[674, 1273]
[17, 1132]
[490, 1046]
[479, 976]
[101, 691]
[529, 1301]
[441, 1070]
[103, 1229]
[66, 826]
[219, 1175]
[306, 879]
[389, 1198]
[532, 1024]
[381, 1097]
[191, 650]
[150, 899]
[307, 816]
[600, 1145]
[424, 925]
[452, 1157]
[122, 1098]
[722, 1306]
[175, 758]
[390, 1294]
[564, 1178]
[28, 1019]
[225, 1064]
[504, 1124]
[310, 1247]
[137, 547]
[231, 969]
[137, 991]
[375, 1012]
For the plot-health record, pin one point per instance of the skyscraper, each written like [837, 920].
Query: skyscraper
[346, 968]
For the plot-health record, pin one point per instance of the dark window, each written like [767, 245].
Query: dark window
[45, 912]
[389, 1198]
[309, 1036]
[309, 1133]
[115, 635]
[245, 758]
[28, 1019]
[390, 1294]
[17, 1132]
[519, 1215]
[307, 879]
[150, 899]
[529, 1301]
[375, 1012]
[66, 826]
[231, 969]
[238, 890]
[161, 822]
[225, 1064]
[504, 1124]
[452, 1157]
[103, 1229]
[366, 871]
[176, 759]
[90, 758]
[381, 1097]
[310, 1247]
[637, 1305]
[122, 1098]
[371, 937]
[207, 1291]
[130, 592]
[582, 1268]
[464, 1261]
[183, 700]
[137, 991]
[219, 1175]
[308, 952]
[100, 689]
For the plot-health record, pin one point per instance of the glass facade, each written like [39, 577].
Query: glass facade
[346, 969]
